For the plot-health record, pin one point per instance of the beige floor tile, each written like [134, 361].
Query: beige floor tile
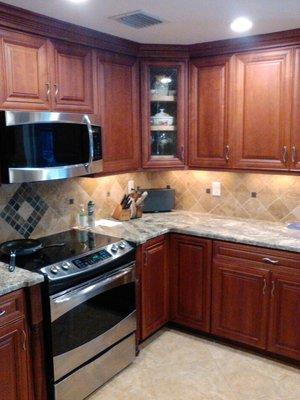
[173, 365]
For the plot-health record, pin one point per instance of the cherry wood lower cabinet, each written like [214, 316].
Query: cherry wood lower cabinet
[15, 375]
[190, 271]
[256, 297]
[284, 330]
[240, 303]
[154, 285]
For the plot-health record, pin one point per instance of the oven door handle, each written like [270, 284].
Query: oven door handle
[86, 119]
[60, 305]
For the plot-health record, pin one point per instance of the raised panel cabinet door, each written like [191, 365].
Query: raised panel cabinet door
[284, 332]
[154, 286]
[14, 364]
[190, 275]
[25, 81]
[72, 78]
[118, 84]
[295, 138]
[262, 109]
[209, 103]
[240, 298]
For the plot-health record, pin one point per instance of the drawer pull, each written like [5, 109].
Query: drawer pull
[270, 260]
[2, 312]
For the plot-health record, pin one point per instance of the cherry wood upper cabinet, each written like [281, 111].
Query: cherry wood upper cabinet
[284, 333]
[190, 271]
[25, 82]
[154, 286]
[118, 85]
[240, 302]
[261, 111]
[209, 103]
[295, 138]
[72, 78]
[164, 113]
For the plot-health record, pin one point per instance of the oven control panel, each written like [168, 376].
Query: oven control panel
[90, 260]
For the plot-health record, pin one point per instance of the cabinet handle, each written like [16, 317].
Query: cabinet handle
[48, 91]
[2, 312]
[294, 154]
[227, 152]
[273, 289]
[270, 260]
[24, 339]
[145, 258]
[181, 154]
[56, 91]
[285, 154]
[265, 286]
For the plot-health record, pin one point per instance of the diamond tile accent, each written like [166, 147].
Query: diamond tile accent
[24, 210]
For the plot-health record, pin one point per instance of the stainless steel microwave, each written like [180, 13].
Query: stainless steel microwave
[42, 146]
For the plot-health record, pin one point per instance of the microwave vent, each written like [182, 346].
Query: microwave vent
[138, 19]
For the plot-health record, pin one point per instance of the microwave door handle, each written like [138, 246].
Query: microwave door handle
[86, 119]
[62, 304]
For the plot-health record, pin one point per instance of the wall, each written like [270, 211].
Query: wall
[38, 209]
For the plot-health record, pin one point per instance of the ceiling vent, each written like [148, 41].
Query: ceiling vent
[137, 19]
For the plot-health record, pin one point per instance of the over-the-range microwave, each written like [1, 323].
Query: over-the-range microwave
[42, 146]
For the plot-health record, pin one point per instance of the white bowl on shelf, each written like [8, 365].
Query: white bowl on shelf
[162, 119]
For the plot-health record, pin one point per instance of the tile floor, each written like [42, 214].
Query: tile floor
[173, 365]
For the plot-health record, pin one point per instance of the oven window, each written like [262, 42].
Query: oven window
[46, 145]
[92, 318]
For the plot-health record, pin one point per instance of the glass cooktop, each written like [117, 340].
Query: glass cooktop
[75, 243]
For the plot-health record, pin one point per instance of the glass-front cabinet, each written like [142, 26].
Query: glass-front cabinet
[163, 113]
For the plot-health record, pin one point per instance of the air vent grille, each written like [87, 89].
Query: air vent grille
[137, 19]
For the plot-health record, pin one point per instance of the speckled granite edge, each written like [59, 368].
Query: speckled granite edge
[271, 235]
[10, 281]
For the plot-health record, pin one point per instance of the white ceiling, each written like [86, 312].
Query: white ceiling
[189, 21]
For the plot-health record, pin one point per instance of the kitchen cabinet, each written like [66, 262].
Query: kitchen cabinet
[284, 335]
[209, 145]
[190, 276]
[295, 136]
[164, 119]
[15, 380]
[260, 123]
[118, 84]
[72, 78]
[25, 79]
[240, 303]
[154, 286]
[39, 74]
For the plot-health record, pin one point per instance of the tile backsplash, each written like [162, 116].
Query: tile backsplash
[39, 209]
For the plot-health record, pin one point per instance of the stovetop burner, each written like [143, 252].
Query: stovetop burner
[83, 252]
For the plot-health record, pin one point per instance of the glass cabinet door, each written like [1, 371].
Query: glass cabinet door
[163, 114]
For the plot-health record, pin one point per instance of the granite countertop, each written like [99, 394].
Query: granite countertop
[10, 281]
[259, 233]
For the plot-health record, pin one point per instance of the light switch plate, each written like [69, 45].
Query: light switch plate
[216, 188]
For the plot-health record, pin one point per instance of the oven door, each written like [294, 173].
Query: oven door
[91, 317]
[40, 146]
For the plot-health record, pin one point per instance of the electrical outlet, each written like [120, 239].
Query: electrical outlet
[216, 188]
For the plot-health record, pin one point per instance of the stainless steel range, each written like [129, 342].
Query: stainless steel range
[89, 300]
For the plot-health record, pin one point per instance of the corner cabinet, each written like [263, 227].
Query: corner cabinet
[209, 113]
[295, 138]
[164, 113]
[118, 84]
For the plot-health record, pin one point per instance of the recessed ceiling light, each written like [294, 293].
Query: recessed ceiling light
[241, 24]
[78, 1]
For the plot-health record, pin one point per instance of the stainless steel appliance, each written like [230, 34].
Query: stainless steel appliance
[90, 312]
[41, 146]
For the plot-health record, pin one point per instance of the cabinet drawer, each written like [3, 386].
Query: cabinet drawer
[11, 307]
[227, 251]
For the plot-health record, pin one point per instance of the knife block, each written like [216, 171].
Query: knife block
[120, 214]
